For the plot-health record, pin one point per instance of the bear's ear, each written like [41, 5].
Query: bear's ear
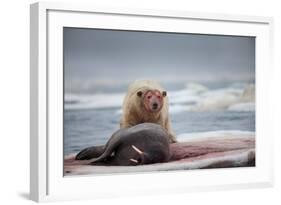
[139, 93]
[164, 93]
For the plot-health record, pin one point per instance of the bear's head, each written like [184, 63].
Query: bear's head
[152, 100]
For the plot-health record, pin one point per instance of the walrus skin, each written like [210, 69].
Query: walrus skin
[144, 143]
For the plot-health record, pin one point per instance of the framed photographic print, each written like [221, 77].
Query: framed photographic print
[150, 101]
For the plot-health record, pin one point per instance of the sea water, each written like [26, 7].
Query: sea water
[91, 118]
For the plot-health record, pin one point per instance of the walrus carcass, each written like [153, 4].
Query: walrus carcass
[144, 143]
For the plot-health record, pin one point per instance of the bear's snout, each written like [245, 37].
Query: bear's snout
[154, 106]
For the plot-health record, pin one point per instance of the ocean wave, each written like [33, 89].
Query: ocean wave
[243, 107]
[194, 97]
[95, 101]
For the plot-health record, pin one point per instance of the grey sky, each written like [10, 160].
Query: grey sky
[105, 57]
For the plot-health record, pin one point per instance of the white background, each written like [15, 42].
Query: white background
[14, 102]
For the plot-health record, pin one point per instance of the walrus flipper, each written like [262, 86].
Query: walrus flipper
[110, 146]
[90, 152]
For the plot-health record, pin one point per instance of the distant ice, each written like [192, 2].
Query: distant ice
[194, 97]
[211, 134]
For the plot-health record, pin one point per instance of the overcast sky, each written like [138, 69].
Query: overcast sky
[105, 57]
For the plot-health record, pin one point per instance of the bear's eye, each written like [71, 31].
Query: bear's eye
[148, 97]
[158, 96]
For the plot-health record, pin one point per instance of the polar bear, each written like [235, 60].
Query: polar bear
[146, 101]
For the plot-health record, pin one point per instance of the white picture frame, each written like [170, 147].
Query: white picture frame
[46, 157]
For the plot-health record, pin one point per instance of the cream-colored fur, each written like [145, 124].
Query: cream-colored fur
[134, 112]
